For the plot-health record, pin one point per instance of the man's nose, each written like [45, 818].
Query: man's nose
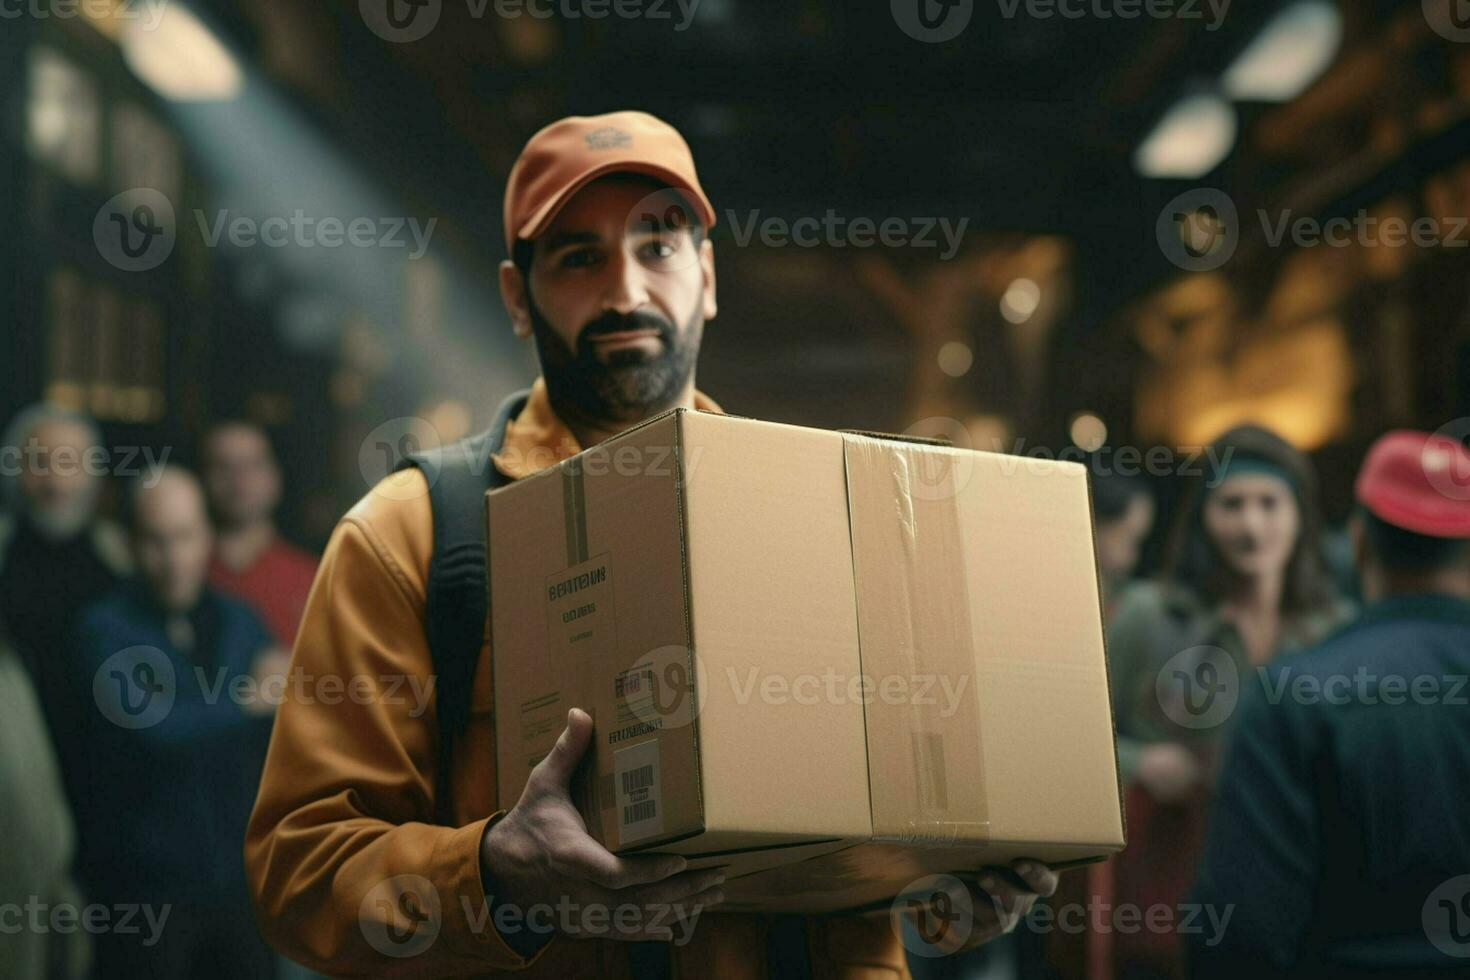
[627, 288]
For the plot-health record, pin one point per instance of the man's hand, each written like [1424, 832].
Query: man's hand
[541, 854]
[269, 671]
[1003, 898]
[1169, 772]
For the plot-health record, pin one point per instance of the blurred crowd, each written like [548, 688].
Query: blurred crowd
[137, 657]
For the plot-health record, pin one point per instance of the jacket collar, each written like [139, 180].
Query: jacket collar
[536, 438]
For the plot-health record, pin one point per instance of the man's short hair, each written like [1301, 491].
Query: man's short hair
[1399, 550]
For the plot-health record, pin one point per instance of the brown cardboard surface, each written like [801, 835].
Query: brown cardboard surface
[1040, 779]
[832, 663]
[655, 581]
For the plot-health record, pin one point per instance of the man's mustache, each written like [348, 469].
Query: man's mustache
[613, 322]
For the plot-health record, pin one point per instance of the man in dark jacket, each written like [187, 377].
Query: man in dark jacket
[1341, 836]
[175, 679]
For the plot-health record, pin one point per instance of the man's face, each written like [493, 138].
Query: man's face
[241, 476]
[172, 540]
[58, 493]
[618, 294]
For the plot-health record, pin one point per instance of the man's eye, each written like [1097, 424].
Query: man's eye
[660, 249]
[578, 258]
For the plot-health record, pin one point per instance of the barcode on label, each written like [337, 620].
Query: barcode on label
[639, 806]
[639, 812]
[636, 779]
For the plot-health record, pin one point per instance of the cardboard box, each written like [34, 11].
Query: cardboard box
[832, 662]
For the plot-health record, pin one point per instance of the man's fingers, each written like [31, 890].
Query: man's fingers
[587, 860]
[1004, 899]
[1037, 876]
[627, 919]
[676, 890]
[555, 771]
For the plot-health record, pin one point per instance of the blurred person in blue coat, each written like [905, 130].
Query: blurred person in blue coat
[180, 683]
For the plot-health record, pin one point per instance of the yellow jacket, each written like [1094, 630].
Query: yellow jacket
[344, 823]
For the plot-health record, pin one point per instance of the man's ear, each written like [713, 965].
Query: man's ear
[707, 267]
[516, 299]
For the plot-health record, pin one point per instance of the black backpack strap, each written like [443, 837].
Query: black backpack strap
[455, 610]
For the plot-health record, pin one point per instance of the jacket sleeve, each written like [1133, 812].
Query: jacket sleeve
[347, 870]
[1262, 857]
[1130, 636]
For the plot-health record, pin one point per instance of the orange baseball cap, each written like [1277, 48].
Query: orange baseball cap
[570, 153]
[1419, 482]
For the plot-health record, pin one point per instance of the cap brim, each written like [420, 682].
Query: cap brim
[546, 214]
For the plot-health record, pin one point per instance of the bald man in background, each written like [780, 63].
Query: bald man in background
[177, 683]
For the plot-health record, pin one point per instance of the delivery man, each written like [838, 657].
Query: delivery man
[1341, 837]
[375, 848]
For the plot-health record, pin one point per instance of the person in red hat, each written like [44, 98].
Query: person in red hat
[1339, 841]
[375, 847]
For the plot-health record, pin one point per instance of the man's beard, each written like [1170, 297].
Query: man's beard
[631, 385]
